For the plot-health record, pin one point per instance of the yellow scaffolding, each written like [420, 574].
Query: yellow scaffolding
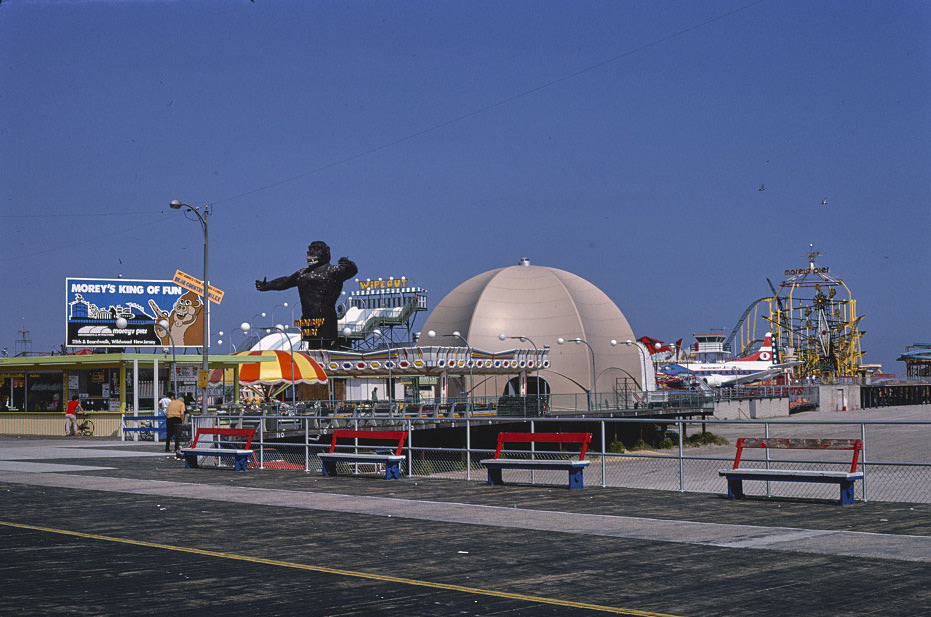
[815, 323]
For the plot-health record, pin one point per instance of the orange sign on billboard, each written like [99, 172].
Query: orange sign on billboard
[197, 286]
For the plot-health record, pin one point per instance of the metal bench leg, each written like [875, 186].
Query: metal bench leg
[735, 488]
[575, 478]
[846, 493]
[240, 463]
[190, 461]
[329, 468]
[494, 476]
[392, 470]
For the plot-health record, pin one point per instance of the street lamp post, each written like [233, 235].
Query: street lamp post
[390, 364]
[458, 335]
[643, 360]
[471, 374]
[281, 329]
[591, 351]
[278, 306]
[177, 205]
[232, 347]
[503, 337]
[244, 327]
[122, 323]
[174, 368]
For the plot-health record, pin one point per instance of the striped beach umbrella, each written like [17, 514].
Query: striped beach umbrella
[273, 367]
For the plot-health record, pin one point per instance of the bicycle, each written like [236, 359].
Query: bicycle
[85, 426]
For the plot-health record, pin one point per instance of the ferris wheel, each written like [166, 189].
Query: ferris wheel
[815, 322]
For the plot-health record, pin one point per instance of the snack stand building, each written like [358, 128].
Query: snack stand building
[108, 384]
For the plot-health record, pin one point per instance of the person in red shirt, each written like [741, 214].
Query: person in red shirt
[71, 417]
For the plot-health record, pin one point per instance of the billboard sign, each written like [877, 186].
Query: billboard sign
[93, 306]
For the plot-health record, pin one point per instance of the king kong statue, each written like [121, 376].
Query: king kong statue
[319, 285]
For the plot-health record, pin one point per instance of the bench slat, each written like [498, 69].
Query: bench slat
[788, 473]
[240, 457]
[582, 438]
[528, 463]
[392, 462]
[855, 445]
[400, 436]
[351, 456]
[805, 444]
[248, 433]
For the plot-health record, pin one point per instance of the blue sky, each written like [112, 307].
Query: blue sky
[624, 142]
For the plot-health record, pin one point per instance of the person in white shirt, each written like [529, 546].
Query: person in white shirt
[163, 405]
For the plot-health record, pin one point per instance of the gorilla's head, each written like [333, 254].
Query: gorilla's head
[318, 253]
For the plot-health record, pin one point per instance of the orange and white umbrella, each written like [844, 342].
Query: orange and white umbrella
[274, 367]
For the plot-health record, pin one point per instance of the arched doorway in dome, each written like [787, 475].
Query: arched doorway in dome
[535, 385]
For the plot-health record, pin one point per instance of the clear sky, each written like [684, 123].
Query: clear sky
[622, 141]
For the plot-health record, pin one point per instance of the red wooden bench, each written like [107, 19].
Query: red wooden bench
[845, 479]
[575, 467]
[392, 462]
[226, 444]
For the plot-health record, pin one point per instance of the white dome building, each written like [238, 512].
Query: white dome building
[543, 305]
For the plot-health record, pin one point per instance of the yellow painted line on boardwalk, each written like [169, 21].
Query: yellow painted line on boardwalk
[366, 575]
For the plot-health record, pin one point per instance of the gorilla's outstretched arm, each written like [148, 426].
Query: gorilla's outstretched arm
[283, 282]
[347, 268]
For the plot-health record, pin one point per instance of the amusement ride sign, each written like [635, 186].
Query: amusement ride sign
[390, 284]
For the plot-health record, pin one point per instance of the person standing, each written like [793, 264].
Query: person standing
[162, 410]
[163, 404]
[173, 421]
[71, 417]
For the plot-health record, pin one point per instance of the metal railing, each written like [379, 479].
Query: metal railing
[483, 406]
[634, 453]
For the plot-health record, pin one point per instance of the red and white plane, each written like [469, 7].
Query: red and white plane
[755, 367]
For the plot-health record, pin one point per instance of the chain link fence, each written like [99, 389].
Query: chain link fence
[668, 454]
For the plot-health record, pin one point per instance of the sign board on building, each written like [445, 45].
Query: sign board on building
[380, 283]
[389, 293]
[93, 307]
[197, 286]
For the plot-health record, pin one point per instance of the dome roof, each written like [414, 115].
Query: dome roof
[542, 304]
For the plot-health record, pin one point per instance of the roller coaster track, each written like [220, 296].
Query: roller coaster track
[730, 337]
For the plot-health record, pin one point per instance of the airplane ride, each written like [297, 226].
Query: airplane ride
[755, 367]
